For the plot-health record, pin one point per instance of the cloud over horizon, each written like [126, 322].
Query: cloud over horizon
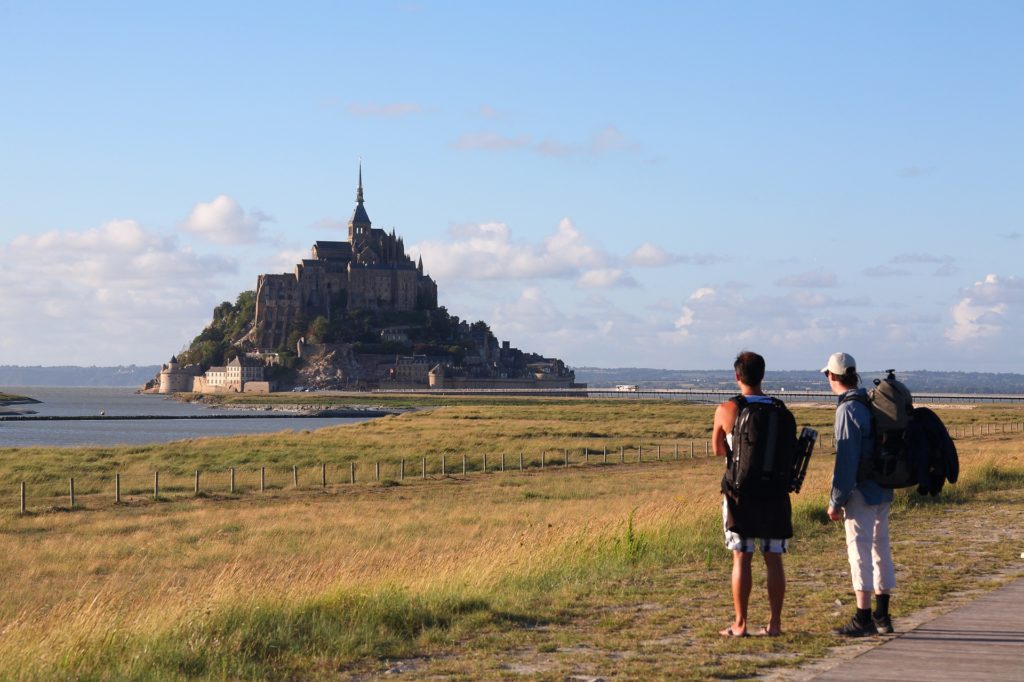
[986, 308]
[104, 294]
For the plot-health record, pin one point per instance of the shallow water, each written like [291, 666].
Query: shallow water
[70, 402]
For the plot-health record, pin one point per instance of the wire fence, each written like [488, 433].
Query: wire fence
[123, 489]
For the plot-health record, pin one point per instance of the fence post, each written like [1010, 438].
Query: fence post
[263, 479]
[707, 448]
[640, 454]
[23, 508]
[463, 466]
[622, 455]
[197, 482]
[351, 472]
[117, 488]
[541, 459]
[520, 461]
[691, 449]
[401, 471]
[659, 452]
[323, 474]
[677, 452]
[443, 474]
[565, 452]
[71, 492]
[376, 471]
[295, 476]
[485, 462]
[156, 484]
[503, 461]
[232, 484]
[605, 454]
[423, 467]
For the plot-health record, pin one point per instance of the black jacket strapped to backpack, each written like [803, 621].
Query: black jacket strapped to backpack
[922, 454]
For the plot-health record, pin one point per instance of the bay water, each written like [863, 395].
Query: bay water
[91, 401]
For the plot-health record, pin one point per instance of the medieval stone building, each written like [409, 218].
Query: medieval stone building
[369, 271]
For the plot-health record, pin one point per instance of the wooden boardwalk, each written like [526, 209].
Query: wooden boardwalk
[981, 640]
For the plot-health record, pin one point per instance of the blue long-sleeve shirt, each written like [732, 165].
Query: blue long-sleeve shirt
[854, 441]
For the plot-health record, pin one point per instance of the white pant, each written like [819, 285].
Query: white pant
[867, 545]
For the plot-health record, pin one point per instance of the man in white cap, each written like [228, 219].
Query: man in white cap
[863, 503]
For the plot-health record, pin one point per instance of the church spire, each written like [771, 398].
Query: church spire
[359, 191]
[359, 225]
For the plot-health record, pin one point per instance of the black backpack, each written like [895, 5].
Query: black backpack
[912, 445]
[764, 447]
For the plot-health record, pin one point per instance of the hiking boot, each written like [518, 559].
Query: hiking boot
[883, 624]
[857, 628]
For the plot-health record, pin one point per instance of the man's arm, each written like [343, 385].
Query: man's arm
[848, 450]
[725, 417]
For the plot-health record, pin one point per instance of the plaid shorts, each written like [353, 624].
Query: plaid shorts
[738, 543]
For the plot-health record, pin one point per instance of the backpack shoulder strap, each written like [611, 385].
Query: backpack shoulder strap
[857, 398]
[740, 401]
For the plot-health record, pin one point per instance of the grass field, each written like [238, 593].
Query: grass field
[602, 570]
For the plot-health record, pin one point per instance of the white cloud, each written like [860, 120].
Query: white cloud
[684, 321]
[649, 255]
[535, 313]
[382, 110]
[224, 221]
[110, 294]
[486, 251]
[605, 278]
[985, 309]
[702, 293]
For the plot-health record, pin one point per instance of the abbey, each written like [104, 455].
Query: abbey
[369, 271]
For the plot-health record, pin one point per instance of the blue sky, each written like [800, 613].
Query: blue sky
[662, 184]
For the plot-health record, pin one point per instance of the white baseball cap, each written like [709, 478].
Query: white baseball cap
[839, 363]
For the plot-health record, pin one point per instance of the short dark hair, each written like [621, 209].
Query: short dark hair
[749, 368]
[850, 379]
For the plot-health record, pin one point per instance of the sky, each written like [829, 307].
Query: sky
[649, 184]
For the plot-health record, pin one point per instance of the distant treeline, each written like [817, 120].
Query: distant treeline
[120, 376]
[919, 380]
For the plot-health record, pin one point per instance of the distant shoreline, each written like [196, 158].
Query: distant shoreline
[7, 399]
[10, 399]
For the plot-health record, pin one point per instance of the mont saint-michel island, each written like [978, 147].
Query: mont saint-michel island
[357, 314]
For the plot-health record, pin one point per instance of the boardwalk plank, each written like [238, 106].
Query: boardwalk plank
[980, 640]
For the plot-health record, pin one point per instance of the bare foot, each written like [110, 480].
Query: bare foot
[732, 631]
[765, 632]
